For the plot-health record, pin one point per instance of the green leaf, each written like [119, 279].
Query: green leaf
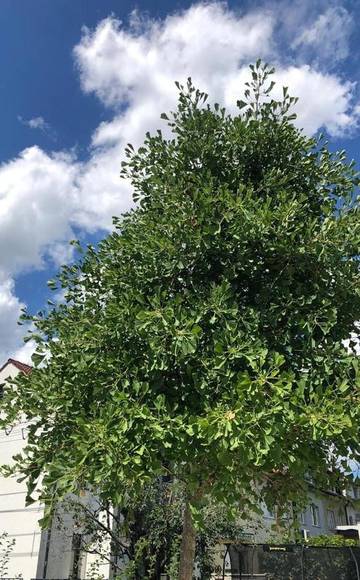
[37, 358]
[241, 104]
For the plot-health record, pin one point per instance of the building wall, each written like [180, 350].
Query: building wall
[353, 508]
[56, 556]
[323, 513]
[60, 552]
[20, 522]
[33, 555]
[331, 513]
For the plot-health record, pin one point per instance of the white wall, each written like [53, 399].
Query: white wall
[20, 522]
[36, 554]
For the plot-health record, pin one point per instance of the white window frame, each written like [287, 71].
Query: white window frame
[315, 515]
[305, 534]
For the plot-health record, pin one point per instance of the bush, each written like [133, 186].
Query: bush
[332, 541]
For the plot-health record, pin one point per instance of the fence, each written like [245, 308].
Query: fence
[289, 562]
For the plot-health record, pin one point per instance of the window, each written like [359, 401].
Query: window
[357, 517]
[298, 515]
[269, 512]
[342, 519]
[331, 519]
[76, 548]
[351, 520]
[305, 534]
[315, 515]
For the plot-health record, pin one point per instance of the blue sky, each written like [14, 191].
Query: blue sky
[82, 78]
[38, 73]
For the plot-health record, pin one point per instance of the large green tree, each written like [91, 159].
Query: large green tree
[203, 338]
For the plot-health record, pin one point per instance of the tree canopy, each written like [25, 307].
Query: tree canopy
[204, 337]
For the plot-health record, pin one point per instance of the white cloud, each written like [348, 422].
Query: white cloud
[208, 42]
[10, 306]
[37, 198]
[24, 352]
[137, 67]
[37, 123]
[132, 70]
[324, 100]
[61, 253]
[329, 35]
[40, 124]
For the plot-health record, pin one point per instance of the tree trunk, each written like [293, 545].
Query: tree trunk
[187, 549]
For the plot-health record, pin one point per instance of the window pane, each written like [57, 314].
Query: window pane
[331, 519]
[315, 516]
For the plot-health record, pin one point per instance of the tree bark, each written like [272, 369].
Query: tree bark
[187, 549]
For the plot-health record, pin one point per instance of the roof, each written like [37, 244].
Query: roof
[24, 368]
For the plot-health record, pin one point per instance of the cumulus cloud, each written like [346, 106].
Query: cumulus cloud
[207, 41]
[134, 68]
[24, 352]
[131, 69]
[37, 196]
[324, 100]
[10, 307]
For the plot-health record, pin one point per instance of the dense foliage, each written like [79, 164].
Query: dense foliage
[331, 540]
[203, 338]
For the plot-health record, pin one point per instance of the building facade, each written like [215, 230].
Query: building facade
[19, 522]
[36, 554]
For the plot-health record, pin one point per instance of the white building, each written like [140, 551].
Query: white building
[50, 554]
[18, 521]
[327, 512]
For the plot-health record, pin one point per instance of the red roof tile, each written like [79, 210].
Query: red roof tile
[24, 368]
